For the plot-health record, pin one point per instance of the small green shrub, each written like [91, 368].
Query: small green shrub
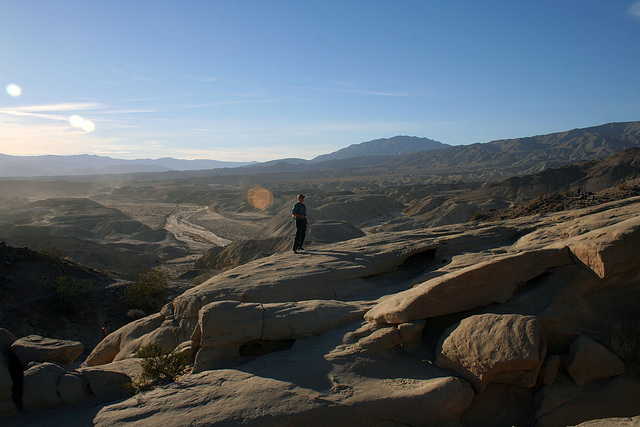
[159, 366]
[51, 252]
[477, 216]
[72, 295]
[149, 291]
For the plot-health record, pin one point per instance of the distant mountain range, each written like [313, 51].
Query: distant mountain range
[26, 166]
[491, 160]
[395, 146]
[508, 157]
[531, 154]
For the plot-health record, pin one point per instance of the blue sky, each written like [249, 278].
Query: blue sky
[260, 80]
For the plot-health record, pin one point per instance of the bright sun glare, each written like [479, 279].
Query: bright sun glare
[14, 90]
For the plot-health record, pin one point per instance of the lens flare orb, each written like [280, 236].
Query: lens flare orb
[82, 123]
[14, 90]
[260, 198]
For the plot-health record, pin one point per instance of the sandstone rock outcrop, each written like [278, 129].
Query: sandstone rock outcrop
[41, 385]
[361, 321]
[106, 384]
[492, 281]
[51, 384]
[494, 348]
[590, 361]
[225, 326]
[34, 348]
[107, 350]
[238, 395]
[513, 291]
[48, 382]
[569, 404]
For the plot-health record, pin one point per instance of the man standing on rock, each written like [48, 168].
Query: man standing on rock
[299, 213]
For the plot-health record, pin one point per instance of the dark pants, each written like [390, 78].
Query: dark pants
[301, 228]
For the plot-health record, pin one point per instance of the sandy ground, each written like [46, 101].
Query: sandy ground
[367, 225]
[197, 237]
[195, 224]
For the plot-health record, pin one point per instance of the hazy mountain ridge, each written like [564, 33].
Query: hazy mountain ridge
[495, 159]
[85, 164]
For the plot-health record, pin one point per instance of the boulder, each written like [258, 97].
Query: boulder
[366, 329]
[107, 349]
[549, 370]
[166, 336]
[304, 318]
[411, 334]
[40, 386]
[472, 287]
[129, 367]
[567, 404]
[611, 252]
[376, 338]
[34, 348]
[489, 348]
[72, 389]
[226, 325]
[590, 361]
[379, 342]
[108, 385]
[557, 299]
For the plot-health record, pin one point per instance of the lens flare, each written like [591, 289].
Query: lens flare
[14, 90]
[82, 123]
[260, 198]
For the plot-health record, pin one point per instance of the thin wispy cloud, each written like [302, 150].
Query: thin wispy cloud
[356, 91]
[64, 106]
[130, 111]
[635, 9]
[50, 112]
[18, 112]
